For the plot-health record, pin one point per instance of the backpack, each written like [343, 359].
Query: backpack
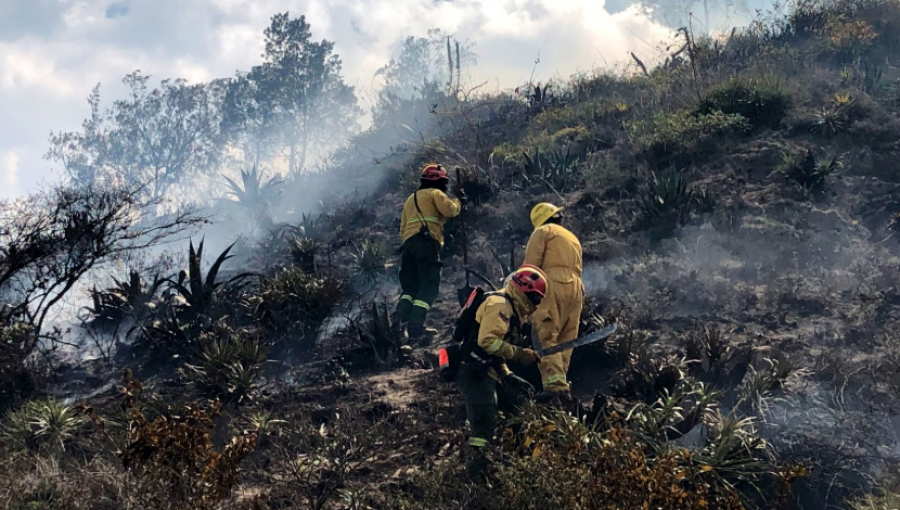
[463, 343]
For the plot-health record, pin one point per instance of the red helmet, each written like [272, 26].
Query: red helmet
[530, 279]
[434, 172]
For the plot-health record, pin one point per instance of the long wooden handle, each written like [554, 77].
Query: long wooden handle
[462, 219]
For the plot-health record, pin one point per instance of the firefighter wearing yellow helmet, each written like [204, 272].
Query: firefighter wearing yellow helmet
[422, 237]
[558, 253]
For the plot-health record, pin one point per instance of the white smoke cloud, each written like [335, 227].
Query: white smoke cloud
[53, 53]
[10, 172]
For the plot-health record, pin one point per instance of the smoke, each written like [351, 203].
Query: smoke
[53, 53]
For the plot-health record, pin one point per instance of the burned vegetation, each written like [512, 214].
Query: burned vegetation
[738, 212]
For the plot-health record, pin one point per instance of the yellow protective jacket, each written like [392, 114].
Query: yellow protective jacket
[436, 208]
[556, 251]
[493, 317]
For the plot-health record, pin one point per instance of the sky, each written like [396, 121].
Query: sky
[52, 52]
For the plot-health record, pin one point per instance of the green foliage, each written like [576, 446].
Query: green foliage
[712, 352]
[555, 168]
[734, 450]
[762, 384]
[831, 120]
[229, 366]
[666, 202]
[295, 301]
[41, 424]
[809, 172]
[764, 103]
[684, 135]
[370, 261]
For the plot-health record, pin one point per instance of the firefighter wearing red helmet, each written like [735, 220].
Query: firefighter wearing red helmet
[486, 382]
[422, 236]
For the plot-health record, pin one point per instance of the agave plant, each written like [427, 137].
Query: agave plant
[199, 293]
[381, 334]
[709, 347]
[831, 120]
[370, 261]
[229, 366]
[761, 385]
[554, 168]
[253, 193]
[648, 376]
[126, 298]
[809, 172]
[667, 198]
[42, 423]
[734, 450]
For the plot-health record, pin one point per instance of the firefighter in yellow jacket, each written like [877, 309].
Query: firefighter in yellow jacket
[486, 382]
[557, 252]
[422, 237]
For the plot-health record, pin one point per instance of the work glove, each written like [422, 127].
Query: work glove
[521, 385]
[526, 356]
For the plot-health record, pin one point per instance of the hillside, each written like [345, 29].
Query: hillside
[737, 206]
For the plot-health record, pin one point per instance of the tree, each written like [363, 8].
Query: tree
[296, 103]
[153, 141]
[49, 242]
[425, 68]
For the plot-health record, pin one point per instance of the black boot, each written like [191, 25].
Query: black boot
[553, 397]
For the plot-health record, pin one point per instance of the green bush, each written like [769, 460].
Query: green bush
[229, 366]
[680, 136]
[41, 424]
[763, 103]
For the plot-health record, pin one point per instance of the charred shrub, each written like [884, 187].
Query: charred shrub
[126, 298]
[17, 380]
[379, 333]
[764, 103]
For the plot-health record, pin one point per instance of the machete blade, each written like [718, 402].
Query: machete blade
[578, 342]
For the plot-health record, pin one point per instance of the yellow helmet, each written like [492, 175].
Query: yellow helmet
[543, 212]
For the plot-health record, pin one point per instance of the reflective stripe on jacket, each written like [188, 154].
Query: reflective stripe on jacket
[436, 208]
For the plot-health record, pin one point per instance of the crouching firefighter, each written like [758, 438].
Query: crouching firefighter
[422, 236]
[482, 343]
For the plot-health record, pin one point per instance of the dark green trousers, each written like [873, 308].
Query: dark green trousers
[485, 397]
[420, 279]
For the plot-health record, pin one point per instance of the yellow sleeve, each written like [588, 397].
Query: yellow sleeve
[403, 219]
[537, 245]
[494, 327]
[448, 207]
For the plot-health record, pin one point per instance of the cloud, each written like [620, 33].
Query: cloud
[117, 10]
[9, 164]
[53, 52]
